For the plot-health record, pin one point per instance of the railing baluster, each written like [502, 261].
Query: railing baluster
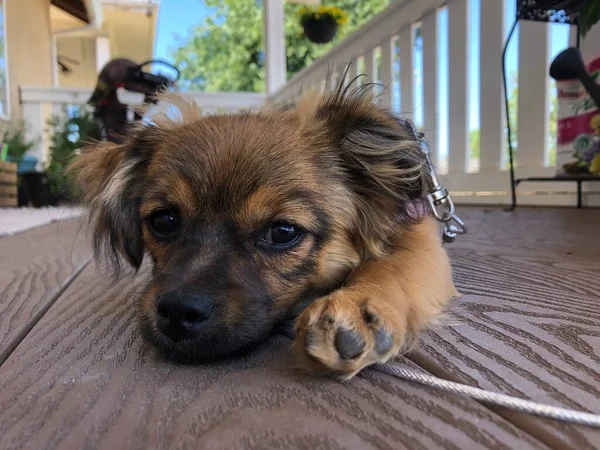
[532, 128]
[386, 76]
[406, 44]
[458, 63]
[370, 65]
[572, 36]
[354, 69]
[492, 117]
[430, 91]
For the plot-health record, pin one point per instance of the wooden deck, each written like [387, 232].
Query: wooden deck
[74, 372]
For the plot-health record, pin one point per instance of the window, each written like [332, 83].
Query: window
[4, 105]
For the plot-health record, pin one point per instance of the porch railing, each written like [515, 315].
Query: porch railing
[384, 50]
[41, 103]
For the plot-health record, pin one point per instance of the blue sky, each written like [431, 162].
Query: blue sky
[177, 16]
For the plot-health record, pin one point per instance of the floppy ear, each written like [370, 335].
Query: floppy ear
[111, 180]
[381, 159]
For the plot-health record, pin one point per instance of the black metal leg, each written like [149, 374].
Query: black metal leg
[513, 187]
[579, 203]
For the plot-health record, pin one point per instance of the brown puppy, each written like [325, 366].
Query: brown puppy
[248, 217]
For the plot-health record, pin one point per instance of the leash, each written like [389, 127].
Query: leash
[442, 208]
[491, 398]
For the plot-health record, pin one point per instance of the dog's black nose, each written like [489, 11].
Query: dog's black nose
[181, 315]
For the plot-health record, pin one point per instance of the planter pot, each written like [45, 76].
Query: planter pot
[23, 193]
[320, 31]
[39, 190]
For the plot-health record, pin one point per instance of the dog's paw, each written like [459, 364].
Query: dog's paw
[346, 331]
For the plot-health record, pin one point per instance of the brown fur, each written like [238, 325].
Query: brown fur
[343, 170]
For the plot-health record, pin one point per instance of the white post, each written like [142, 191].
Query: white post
[275, 59]
[369, 56]
[458, 63]
[387, 75]
[102, 52]
[406, 42]
[532, 128]
[491, 95]
[430, 82]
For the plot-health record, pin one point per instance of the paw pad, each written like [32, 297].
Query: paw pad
[348, 343]
[383, 341]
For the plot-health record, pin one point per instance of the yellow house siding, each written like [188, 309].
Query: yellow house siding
[29, 47]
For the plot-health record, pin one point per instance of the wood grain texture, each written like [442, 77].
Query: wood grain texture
[9, 201]
[34, 267]
[8, 178]
[84, 379]
[9, 167]
[529, 325]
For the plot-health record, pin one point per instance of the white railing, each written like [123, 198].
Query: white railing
[374, 49]
[376, 46]
[41, 103]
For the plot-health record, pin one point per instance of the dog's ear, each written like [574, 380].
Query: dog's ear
[381, 158]
[111, 180]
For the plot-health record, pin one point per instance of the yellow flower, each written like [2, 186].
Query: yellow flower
[595, 165]
[595, 122]
[336, 14]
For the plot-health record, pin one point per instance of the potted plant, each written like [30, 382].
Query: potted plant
[69, 131]
[321, 24]
[14, 137]
[17, 144]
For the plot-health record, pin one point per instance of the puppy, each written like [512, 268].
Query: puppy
[249, 217]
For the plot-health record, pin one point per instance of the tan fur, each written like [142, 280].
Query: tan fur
[405, 290]
[341, 168]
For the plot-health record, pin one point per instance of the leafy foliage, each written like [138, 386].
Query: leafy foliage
[69, 131]
[589, 16]
[14, 136]
[226, 51]
[474, 144]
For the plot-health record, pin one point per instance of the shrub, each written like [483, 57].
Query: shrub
[13, 135]
[69, 131]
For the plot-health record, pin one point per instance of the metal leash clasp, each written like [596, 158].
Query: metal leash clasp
[441, 204]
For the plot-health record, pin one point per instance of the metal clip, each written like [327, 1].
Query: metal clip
[439, 197]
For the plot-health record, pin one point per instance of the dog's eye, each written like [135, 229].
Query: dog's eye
[163, 224]
[282, 235]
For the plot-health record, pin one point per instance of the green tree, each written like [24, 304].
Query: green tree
[513, 110]
[474, 145]
[226, 51]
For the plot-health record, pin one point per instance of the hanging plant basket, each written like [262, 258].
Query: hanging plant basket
[321, 30]
[321, 24]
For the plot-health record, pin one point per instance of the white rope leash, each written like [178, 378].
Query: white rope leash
[505, 401]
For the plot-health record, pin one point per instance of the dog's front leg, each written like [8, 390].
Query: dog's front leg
[380, 309]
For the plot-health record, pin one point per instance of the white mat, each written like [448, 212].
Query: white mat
[17, 220]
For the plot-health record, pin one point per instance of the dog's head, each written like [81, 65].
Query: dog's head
[247, 216]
